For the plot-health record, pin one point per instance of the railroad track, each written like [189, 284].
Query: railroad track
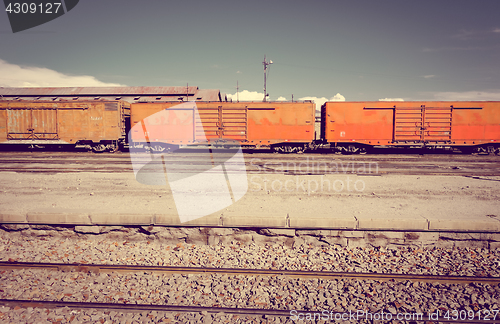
[331, 316]
[104, 268]
[124, 307]
[142, 307]
[296, 164]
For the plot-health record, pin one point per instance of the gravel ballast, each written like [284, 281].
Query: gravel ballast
[235, 291]
[301, 255]
[261, 292]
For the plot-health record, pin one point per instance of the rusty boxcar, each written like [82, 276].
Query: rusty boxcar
[282, 126]
[468, 125]
[97, 125]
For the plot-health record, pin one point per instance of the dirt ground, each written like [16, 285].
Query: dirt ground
[350, 196]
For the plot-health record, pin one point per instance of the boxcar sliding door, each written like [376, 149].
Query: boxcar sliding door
[32, 123]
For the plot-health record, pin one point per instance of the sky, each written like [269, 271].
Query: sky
[355, 50]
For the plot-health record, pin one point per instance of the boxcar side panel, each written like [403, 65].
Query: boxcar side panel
[91, 121]
[208, 124]
[96, 123]
[162, 122]
[74, 123]
[172, 126]
[44, 123]
[362, 122]
[476, 122]
[111, 121]
[233, 121]
[140, 111]
[276, 122]
[28, 121]
[19, 122]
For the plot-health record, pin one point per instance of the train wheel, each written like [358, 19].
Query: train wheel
[352, 149]
[279, 149]
[157, 148]
[112, 148]
[485, 150]
[288, 149]
[99, 148]
[492, 150]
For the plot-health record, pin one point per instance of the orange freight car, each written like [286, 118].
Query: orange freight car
[283, 126]
[354, 126]
[96, 125]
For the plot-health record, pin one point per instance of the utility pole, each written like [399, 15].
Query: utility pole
[265, 63]
[187, 91]
[237, 92]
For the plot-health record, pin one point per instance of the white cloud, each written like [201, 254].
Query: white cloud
[468, 95]
[469, 48]
[337, 97]
[476, 34]
[392, 99]
[281, 99]
[320, 101]
[246, 95]
[12, 75]
[429, 76]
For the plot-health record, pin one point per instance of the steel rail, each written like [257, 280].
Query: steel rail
[141, 307]
[105, 268]
[423, 317]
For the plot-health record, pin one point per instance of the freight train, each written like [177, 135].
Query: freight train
[348, 127]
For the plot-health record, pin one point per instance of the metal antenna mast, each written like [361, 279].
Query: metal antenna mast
[265, 63]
